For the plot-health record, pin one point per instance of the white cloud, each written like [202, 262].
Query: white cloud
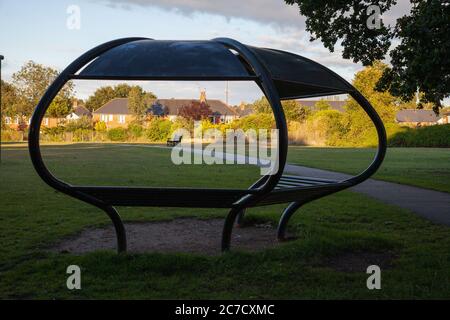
[275, 12]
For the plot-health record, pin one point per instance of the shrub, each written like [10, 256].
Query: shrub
[158, 130]
[82, 135]
[326, 127]
[135, 130]
[432, 136]
[117, 134]
[84, 123]
[11, 135]
[100, 126]
[255, 121]
[54, 134]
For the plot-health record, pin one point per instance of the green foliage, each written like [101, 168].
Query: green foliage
[328, 126]
[9, 99]
[295, 111]
[139, 101]
[31, 81]
[54, 134]
[158, 130]
[9, 135]
[183, 123]
[322, 105]
[81, 134]
[100, 126]
[100, 97]
[117, 134]
[331, 21]
[419, 62]
[262, 105]
[432, 136]
[255, 121]
[84, 123]
[105, 94]
[135, 130]
[59, 107]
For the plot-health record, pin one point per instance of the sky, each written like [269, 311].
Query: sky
[38, 31]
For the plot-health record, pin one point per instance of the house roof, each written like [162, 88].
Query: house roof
[335, 104]
[120, 106]
[81, 111]
[174, 105]
[416, 115]
[115, 106]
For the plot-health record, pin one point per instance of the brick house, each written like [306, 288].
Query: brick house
[115, 113]
[417, 117]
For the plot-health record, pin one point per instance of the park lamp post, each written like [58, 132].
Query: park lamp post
[1, 119]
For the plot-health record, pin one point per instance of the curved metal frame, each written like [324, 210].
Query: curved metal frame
[254, 195]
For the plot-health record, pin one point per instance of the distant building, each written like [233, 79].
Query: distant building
[334, 104]
[78, 111]
[417, 117]
[221, 113]
[16, 121]
[115, 113]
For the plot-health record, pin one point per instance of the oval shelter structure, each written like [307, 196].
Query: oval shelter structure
[280, 75]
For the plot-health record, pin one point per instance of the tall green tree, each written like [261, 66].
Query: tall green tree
[31, 81]
[322, 105]
[105, 94]
[419, 63]
[9, 99]
[101, 96]
[139, 101]
[293, 111]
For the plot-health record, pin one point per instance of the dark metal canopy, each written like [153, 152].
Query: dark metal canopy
[294, 76]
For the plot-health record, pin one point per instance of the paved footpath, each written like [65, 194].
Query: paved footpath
[430, 204]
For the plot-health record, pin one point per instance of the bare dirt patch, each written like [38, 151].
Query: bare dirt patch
[178, 235]
[359, 261]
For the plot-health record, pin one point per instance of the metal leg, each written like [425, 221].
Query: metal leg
[118, 226]
[287, 213]
[240, 218]
[228, 227]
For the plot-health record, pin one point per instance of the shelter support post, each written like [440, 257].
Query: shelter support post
[286, 215]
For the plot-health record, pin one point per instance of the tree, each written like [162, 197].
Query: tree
[139, 101]
[100, 97]
[262, 105]
[195, 111]
[9, 99]
[322, 105]
[105, 94]
[294, 111]
[31, 81]
[419, 63]
[383, 102]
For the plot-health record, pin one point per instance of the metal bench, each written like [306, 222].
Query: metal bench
[173, 142]
[280, 75]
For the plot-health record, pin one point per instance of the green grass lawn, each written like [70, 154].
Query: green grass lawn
[33, 216]
[422, 167]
